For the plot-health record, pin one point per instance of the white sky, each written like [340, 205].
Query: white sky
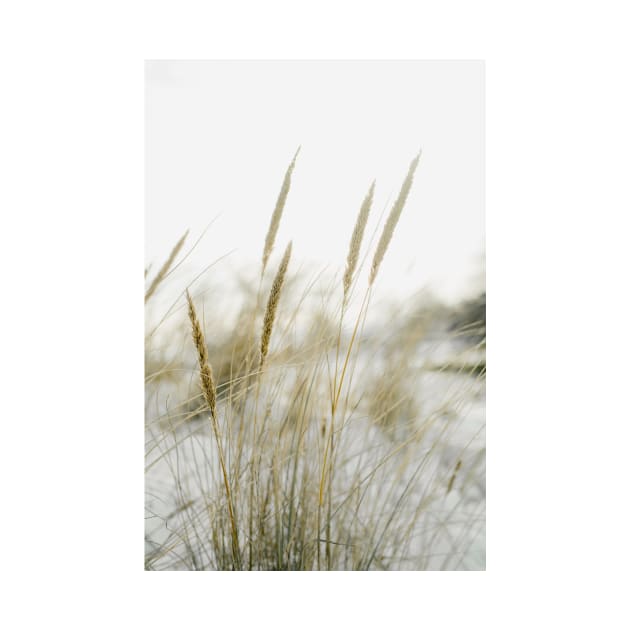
[219, 137]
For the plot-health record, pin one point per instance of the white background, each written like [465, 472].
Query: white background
[219, 136]
[557, 105]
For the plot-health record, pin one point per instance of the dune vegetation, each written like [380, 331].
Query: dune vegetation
[309, 431]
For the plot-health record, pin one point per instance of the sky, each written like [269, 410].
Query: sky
[219, 136]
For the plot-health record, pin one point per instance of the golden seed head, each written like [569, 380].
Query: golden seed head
[272, 304]
[355, 241]
[161, 274]
[277, 213]
[392, 219]
[205, 370]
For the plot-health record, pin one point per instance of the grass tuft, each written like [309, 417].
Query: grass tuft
[362, 449]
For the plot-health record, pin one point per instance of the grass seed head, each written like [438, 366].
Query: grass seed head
[205, 370]
[355, 241]
[161, 274]
[277, 213]
[272, 304]
[392, 219]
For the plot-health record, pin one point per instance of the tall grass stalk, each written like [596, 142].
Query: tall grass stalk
[353, 255]
[209, 392]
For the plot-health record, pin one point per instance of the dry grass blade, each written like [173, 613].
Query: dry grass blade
[161, 274]
[355, 241]
[392, 219]
[277, 213]
[272, 304]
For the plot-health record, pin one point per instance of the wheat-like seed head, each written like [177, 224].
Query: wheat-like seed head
[205, 370]
[355, 241]
[272, 304]
[161, 274]
[392, 219]
[277, 213]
